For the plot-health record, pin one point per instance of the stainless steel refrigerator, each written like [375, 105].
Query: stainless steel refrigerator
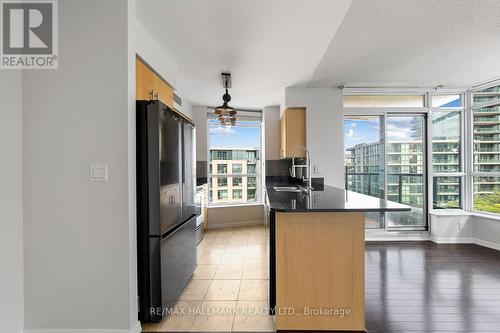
[166, 209]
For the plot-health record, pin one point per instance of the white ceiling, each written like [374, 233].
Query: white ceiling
[453, 42]
[268, 45]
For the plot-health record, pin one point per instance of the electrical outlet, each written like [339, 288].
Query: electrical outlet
[461, 224]
[316, 169]
[99, 173]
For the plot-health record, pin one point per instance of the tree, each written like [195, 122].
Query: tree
[487, 202]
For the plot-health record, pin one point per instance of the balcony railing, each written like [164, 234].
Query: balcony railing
[369, 184]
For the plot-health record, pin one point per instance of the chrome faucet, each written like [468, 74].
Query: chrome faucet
[308, 166]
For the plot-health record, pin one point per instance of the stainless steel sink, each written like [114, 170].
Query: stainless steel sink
[291, 188]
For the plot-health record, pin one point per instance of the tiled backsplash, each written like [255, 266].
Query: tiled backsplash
[201, 172]
[277, 168]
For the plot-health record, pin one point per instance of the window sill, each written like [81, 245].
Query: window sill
[449, 212]
[235, 205]
[495, 217]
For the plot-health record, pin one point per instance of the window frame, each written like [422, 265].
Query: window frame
[244, 115]
[467, 173]
[470, 161]
[427, 109]
[462, 151]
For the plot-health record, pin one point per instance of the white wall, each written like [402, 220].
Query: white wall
[148, 49]
[451, 226]
[11, 203]
[132, 190]
[187, 108]
[487, 232]
[272, 132]
[324, 117]
[77, 234]
[458, 226]
[199, 116]
[225, 217]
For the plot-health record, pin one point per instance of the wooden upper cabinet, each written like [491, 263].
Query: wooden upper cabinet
[163, 92]
[293, 132]
[150, 86]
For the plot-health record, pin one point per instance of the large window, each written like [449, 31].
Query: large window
[237, 194]
[385, 157]
[237, 168]
[237, 181]
[398, 144]
[221, 168]
[221, 181]
[446, 127]
[364, 160]
[486, 150]
[235, 153]
[405, 147]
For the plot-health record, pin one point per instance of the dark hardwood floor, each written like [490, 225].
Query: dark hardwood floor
[425, 287]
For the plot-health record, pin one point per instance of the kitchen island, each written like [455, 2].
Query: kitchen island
[317, 257]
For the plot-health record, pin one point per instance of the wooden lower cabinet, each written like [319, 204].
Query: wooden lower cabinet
[320, 271]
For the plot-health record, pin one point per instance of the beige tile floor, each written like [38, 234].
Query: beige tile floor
[229, 288]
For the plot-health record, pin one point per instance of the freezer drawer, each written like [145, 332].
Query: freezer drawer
[178, 261]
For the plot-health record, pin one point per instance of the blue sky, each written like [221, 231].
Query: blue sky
[367, 129]
[234, 137]
[361, 130]
[452, 104]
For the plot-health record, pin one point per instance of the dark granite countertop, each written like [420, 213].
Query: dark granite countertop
[327, 199]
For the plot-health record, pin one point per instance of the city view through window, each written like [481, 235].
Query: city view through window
[365, 162]
[486, 150]
[234, 162]
[399, 142]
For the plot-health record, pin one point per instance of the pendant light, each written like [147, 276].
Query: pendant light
[226, 114]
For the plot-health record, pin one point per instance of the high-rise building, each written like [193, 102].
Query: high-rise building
[486, 148]
[364, 169]
[234, 174]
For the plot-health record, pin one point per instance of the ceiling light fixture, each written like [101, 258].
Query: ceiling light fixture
[226, 114]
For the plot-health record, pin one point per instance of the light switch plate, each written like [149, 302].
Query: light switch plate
[99, 173]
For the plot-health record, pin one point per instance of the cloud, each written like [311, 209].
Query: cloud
[397, 135]
[398, 130]
[350, 133]
[222, 131]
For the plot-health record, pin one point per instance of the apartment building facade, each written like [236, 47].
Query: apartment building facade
[234, 175]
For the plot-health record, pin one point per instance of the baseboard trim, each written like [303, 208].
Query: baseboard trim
[452, 240]
[76, 330]
[234, 224]
[488, 244]
[375, 235]
[136, 329]
[466, 240]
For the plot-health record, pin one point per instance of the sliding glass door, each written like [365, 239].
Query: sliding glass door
[406, 180]
[385, 157]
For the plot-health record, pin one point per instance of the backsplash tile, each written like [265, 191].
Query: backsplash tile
[277, 167]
